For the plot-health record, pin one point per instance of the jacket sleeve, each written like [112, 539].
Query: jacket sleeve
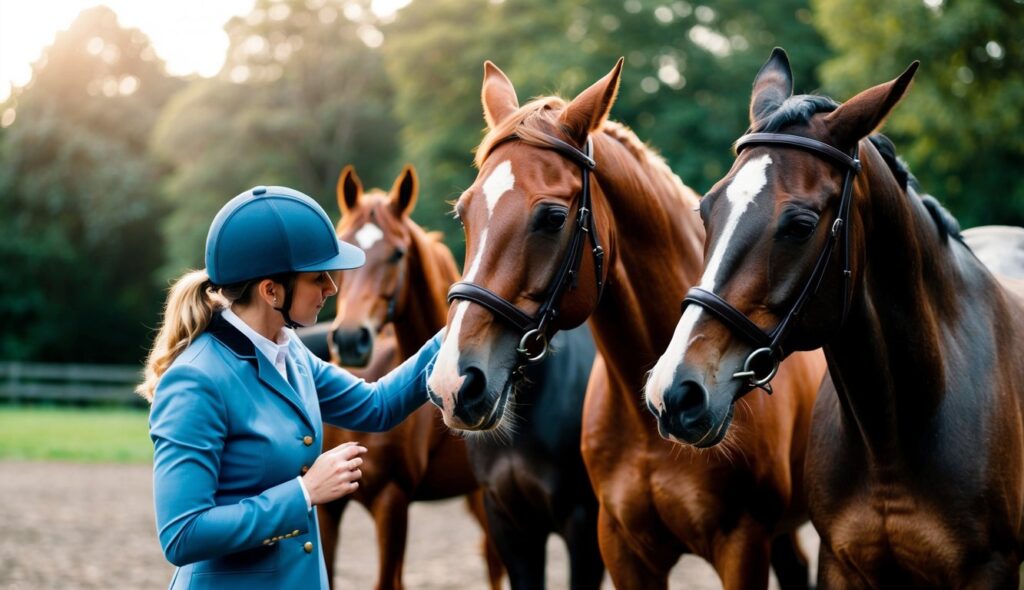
[188, 425]
[349, 402]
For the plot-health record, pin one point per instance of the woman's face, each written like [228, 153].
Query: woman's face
[311, 290]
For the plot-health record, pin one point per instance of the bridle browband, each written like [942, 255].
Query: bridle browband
[535, 328]
[769, 344]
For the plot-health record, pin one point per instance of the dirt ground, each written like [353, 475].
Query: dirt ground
[70, 526]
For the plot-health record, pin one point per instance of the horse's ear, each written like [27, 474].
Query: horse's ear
[350, 188]
[588, 111]
[404, 191]
[497, 95]
[862, 114]
[772, 85]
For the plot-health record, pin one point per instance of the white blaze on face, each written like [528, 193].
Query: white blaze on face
[748, 183]
[368, 235]
[445, 380]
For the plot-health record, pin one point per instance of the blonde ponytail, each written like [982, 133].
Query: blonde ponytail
[189, 309]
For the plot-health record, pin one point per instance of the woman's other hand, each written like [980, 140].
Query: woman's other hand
[335, 473]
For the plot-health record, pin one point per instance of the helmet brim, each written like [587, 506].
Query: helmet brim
[348, 256]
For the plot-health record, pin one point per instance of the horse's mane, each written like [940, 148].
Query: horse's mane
[535, 124]
[943, 219]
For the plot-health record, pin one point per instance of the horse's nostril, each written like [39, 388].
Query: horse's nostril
[474, 385]
[365, 339]
[693, 397]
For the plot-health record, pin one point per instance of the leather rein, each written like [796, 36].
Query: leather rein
[769, 344]
[535, 329]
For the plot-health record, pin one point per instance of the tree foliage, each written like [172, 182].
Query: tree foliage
[300, 95]
[80, 218]
[959, 125]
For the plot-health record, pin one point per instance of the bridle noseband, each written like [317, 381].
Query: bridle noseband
[769, 344]
[535, 328]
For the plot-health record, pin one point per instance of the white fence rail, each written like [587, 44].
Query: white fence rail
[69, 383]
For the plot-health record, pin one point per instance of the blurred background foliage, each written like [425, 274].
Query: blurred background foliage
[111, 170]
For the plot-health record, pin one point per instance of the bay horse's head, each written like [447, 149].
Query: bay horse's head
[369, 296]
[534, 263]
[781, 254]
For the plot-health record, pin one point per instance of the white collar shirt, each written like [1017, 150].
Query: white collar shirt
[276, 352]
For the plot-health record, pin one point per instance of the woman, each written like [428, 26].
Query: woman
[238, 401]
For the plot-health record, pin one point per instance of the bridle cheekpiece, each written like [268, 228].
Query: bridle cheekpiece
[535, 329]
[769, 344]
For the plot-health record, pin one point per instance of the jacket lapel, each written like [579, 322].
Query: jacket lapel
[241, 346]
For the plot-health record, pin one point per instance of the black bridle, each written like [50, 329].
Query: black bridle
[535, 328]
[769, 344]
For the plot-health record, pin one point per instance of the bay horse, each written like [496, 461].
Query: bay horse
[419, 459]
[534, 480]
[549, 247]
[917, 478]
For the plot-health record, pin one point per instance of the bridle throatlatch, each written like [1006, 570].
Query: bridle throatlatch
[533, 345]
[762, 364]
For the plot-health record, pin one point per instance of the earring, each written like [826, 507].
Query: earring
[275, 300]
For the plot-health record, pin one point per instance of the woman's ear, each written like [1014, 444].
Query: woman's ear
[267, 290]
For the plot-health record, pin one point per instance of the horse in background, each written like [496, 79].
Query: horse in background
[419, 459]
[533, 479]
[917, 475]
[999, 247]
[571, 217]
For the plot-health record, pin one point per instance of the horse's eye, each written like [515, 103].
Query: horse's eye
[397, 255]
[798, 227]
[554, 219]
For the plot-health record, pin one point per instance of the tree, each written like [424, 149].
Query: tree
[301, 95]
[79, 195]
[959, 125]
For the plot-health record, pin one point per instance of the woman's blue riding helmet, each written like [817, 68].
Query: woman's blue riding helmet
[270, 230]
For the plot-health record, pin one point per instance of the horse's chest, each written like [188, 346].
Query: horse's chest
[877, 534]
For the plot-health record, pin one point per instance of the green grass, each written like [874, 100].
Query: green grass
[88, 435]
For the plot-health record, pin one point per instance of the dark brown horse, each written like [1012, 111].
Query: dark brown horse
[917, 475]
[419, 459]
[534, 479]
[559, 240]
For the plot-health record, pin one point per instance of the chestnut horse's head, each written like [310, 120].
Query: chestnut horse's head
[533, 258]
[370, 296]
[781, 253]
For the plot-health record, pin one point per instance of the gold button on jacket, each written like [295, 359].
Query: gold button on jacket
[308, 547]
[307, 440]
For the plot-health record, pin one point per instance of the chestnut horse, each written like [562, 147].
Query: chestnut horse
[419, 459]
[534, 480]
[622, 247]
[917, 479]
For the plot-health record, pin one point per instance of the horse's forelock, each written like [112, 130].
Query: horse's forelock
[531, 123]
[793, 111]
[534, 122]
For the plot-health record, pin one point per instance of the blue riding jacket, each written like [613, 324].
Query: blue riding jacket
[230, 437]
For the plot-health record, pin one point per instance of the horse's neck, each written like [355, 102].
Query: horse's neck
[887, 361]
[655, 255]
[430, 274]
